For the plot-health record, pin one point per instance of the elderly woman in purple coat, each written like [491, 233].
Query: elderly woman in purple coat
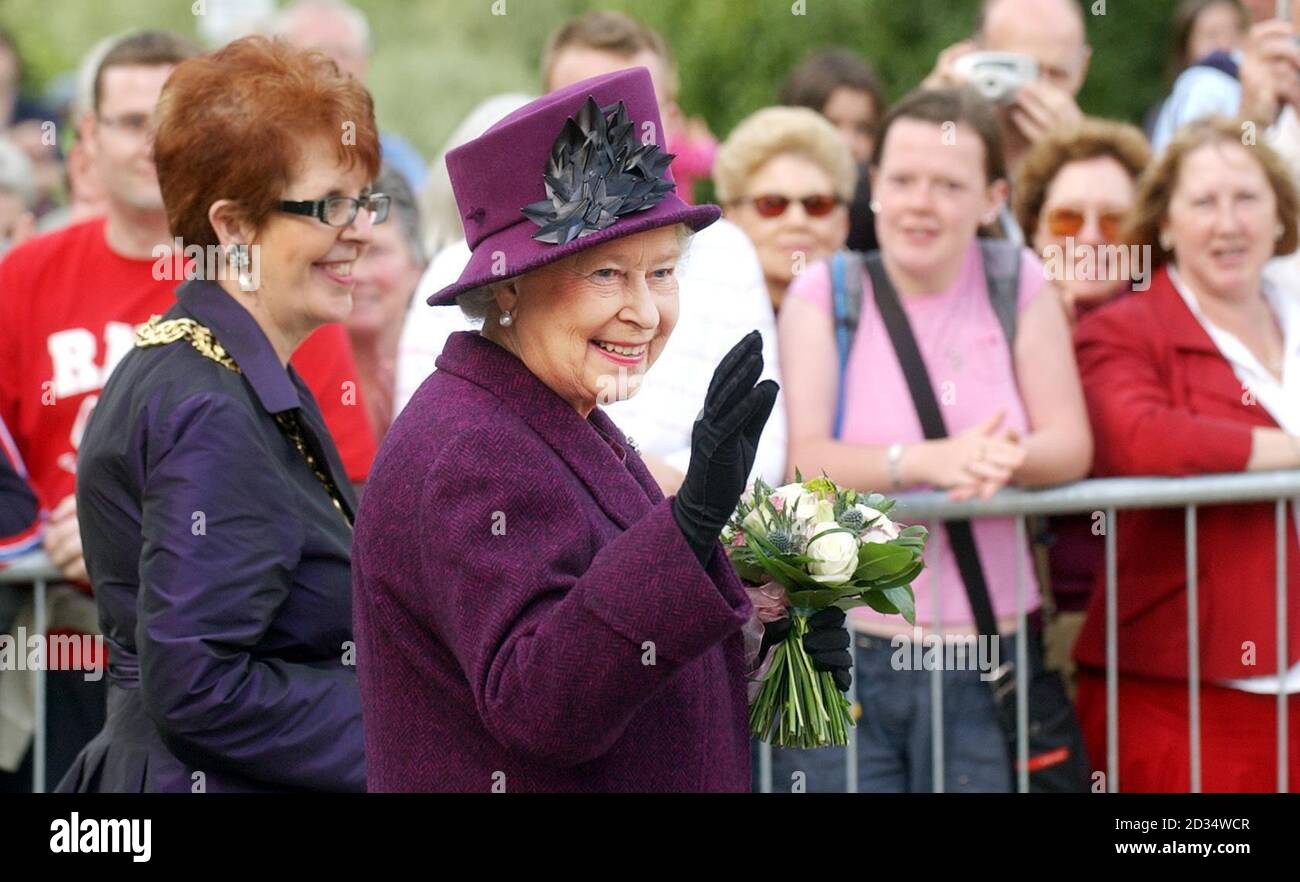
[530, 613]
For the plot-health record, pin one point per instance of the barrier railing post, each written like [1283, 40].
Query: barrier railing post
[937, 536]
[1022, 660]
[1193, 653]
[1282, 649]
[38, 737]
[851, 750]
[1112, 656]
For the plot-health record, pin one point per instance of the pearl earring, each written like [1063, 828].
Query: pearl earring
[874, 205]
[1166, 242]
[506, 319]
[239, 261]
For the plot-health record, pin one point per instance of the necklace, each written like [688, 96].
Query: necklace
[157, 332]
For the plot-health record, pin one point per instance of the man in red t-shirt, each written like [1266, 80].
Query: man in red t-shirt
[70, 302]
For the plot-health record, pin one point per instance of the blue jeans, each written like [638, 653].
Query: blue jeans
[894, 743]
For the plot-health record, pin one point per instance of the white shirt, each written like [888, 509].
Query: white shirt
[723, 297]
[1202, 91]
[1281, 399]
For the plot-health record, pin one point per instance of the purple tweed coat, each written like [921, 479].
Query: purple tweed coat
[528, 616]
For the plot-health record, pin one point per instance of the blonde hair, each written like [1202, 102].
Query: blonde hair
[773, 131]
[1156, 186]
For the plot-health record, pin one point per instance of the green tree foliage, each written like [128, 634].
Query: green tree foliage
[436, 59]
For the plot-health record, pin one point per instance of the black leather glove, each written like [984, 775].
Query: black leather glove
[773, 633]
[724, 442]
[827, 641]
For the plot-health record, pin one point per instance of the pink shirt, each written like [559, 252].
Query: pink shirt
[971, 369]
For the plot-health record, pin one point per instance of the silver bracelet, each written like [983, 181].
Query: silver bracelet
[893, 456]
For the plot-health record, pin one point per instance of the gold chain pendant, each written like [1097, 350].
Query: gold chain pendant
[157, 332]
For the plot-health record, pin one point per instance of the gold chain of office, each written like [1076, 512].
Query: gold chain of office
[159, 332]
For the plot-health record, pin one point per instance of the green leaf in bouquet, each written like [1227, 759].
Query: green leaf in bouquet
[878, 601]
[798, 476]
[769, 558]
[906, 577]
[902, 599]
[748, 571]
[816, 598]
[916, 531]
[877, 561]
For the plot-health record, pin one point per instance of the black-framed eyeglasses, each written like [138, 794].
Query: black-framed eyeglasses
[341, 211]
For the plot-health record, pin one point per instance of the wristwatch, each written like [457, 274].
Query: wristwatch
[893, 456]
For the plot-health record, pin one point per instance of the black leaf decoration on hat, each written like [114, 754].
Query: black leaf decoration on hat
[597, 173]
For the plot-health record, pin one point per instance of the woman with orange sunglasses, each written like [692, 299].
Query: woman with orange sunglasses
[1072, 195]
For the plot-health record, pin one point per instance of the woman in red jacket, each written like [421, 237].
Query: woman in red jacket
[1200, 374]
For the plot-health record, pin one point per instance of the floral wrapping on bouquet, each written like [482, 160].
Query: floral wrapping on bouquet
[801, 548]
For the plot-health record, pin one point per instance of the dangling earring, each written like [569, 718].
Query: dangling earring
[239, 259]
[506, 319]
[1279, 233]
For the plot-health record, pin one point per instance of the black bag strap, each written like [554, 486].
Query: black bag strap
[960, 536]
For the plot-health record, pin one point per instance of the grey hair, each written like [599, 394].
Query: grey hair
[403, 211]
[355, 18]
[477, 303]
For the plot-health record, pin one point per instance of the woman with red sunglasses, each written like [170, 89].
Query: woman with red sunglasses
[785, 177]
[1072, 194]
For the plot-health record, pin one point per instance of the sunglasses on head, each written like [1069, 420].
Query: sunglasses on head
[1069, 221]
[818, 205]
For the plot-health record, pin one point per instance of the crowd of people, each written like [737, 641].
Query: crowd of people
[281, 526]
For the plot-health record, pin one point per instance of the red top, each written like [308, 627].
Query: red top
[69, 307]
[1163, 401]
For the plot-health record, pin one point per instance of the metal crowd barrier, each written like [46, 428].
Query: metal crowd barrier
[1108, 495]
[35, 569]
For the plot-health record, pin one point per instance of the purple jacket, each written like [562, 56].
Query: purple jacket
[528, 615]
[220, 567]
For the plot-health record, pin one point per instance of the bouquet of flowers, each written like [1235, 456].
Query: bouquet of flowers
[808, 546]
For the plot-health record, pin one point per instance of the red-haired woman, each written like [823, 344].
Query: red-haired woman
[215, 514]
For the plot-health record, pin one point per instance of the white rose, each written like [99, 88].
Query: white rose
[754, 523]
[879, 528]
[834, 556]
[796, 500]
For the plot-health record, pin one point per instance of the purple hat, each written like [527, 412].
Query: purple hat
[568, 171]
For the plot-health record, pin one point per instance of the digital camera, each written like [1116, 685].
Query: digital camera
[997, 75]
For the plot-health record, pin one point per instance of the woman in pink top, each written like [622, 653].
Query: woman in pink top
[1014, 414]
